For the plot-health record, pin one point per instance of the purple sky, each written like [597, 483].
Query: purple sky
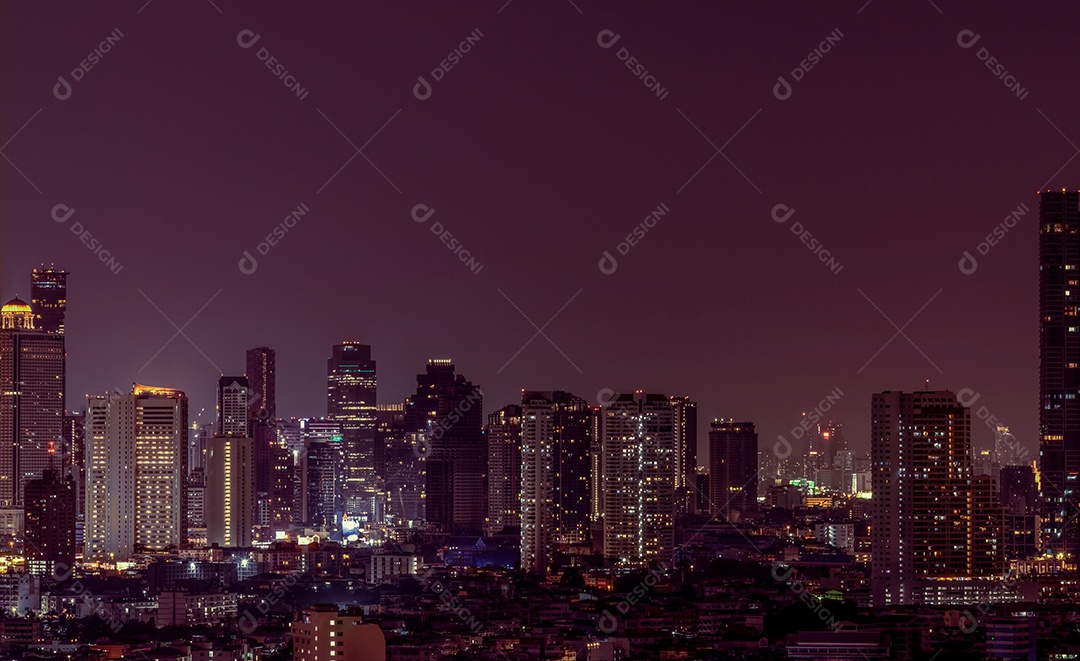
[539, 150]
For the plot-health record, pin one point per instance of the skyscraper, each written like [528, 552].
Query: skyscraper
[733, 470]
[685, 454]
[399, 466]
[503, 434]
[936, 527]
[74, 453]
[555, 463]
[446, 411]
[50, 524]
[232, 405]
[351, 385]
[273, 468]
[639, 478]
[262, 380]
[229, 509]
[136, 472]
[31, 399]
[1059, 368]
[48, 296]
[321, 468]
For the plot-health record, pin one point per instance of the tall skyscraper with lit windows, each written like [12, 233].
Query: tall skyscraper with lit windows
[351, 385]
[936, 527]
[232, 405]
[32, 375]
[503, 435]
[685, 454]
[48, 297]
[556, 440]
[136, 472]
[1059, 369]
[639, 478]
[229, 506]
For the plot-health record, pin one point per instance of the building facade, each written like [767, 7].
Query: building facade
[503, 435]
[733, 469]
[639, 478]
[935, 525]
[136, 473]
[556, 439]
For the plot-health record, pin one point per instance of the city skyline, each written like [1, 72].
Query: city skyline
[582, 330]
[719, 230]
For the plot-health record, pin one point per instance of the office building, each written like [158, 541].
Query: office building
[733, 471]
[49, 547]
[555, 463]
[639, 478]
[321, 472]
[685, 454]
[1059, 369]
[351, 386]
[32, 374]
[230, 491]
[447, 412]
[503, 434]
[136, 472]
[936, 527]
[232, 406]
[48, 297]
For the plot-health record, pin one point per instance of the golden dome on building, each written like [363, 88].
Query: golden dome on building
[16, 306]
[17, 314]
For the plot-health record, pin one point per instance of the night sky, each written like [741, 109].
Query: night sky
[539, 149]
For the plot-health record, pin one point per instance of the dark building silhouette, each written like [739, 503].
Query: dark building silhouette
[1059, 367]
[273, 461]
[262, 381]
[447, 411]
[48, 297]
[351, 384]
[733, 453]
[50, 524]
